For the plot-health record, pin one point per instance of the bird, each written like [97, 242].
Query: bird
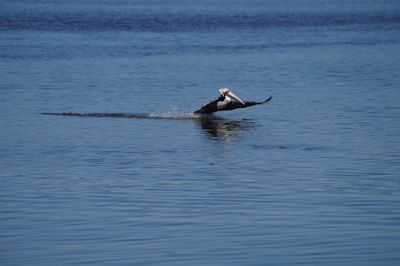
[226, 101]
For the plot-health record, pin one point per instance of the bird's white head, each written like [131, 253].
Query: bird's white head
[227, 93]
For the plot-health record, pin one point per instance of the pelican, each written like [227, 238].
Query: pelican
[227, 101]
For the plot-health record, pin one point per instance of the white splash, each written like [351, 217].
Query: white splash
[173, 114]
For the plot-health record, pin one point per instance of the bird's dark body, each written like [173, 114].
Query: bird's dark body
[212, 107]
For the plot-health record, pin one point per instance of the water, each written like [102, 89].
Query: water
[310, 178]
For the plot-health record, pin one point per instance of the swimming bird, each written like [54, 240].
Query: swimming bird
[227, 101]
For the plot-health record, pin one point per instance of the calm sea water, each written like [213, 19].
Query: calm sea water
[311, 178]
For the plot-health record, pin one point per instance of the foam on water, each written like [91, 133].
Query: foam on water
[175, 115]
[166, 115]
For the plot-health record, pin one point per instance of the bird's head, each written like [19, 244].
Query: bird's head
[227, 93]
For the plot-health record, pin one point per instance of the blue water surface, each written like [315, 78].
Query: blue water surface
[311, 178]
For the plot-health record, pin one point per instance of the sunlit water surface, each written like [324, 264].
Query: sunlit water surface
[311, 178]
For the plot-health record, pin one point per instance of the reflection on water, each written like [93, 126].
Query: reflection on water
[225, 130]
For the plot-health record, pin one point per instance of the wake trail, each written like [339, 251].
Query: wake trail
[167, 115]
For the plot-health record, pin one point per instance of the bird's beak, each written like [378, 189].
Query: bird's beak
[233, 96]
